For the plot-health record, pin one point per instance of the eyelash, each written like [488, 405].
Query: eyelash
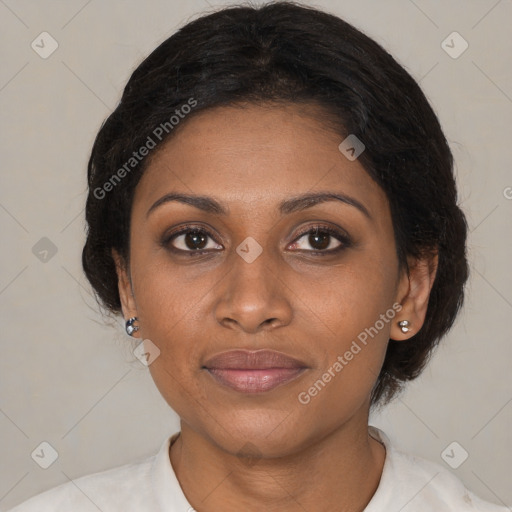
[343, 238]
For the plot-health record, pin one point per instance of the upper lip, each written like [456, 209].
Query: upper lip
[262, 359]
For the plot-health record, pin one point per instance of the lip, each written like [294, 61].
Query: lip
[254, 371]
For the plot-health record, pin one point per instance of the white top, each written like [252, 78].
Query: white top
[407, 484]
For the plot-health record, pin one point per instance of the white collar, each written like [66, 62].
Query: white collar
[168, 492]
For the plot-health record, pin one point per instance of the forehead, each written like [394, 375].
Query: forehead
[256, 155]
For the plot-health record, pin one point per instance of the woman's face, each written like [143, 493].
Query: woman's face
[258, 277]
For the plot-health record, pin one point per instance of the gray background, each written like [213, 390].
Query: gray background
[68, 375]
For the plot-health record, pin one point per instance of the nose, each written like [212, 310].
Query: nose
[254, 296]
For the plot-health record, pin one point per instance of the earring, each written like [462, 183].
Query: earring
[130, 328]
[404, 325]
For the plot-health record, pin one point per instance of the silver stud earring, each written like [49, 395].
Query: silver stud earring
[404, 326]
[130, 327]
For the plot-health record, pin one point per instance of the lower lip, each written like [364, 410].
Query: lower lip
[254, 381]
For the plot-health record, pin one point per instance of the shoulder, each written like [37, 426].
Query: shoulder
[415, 484]
[126, 488]
[438, 488]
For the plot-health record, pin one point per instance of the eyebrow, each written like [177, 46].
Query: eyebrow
[294, 204]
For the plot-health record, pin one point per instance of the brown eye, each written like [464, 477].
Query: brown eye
[195, 240]
[319, 240]
[322, 239]
[191, 240]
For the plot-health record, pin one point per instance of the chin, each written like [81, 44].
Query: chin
[268, 433]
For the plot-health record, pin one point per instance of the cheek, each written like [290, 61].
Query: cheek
[169, 311]
[169, 317]
[356, 315]
[351, 296]
[355, 354]
[167, 295]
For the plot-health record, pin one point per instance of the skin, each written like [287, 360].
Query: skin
[238, 451]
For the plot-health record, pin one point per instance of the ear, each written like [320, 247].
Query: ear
[125, 287]
[413, 294]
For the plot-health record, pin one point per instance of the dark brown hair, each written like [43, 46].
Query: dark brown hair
[285, 52]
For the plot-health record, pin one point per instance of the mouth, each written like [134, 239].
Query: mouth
[254, 371]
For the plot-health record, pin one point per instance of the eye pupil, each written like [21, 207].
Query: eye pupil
[315, 237]
[195, 240]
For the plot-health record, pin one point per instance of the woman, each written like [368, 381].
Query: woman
[272, 209]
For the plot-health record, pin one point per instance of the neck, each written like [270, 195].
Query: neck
[339, 472]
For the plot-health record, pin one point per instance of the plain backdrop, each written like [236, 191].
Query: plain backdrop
[68, 375]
